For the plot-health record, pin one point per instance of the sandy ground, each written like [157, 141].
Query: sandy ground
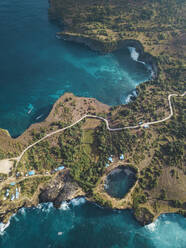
[6, 165]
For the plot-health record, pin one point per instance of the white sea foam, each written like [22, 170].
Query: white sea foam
[39, 206]
[64, 205]
[46, 207]
[152, 226]
[22, 211]
[16, 219]
[77, 201]
[30, 108]
[3, 227]
[133, 53]
[135, 57]
[134, 92]
[129, 97]
[39, 117]
[29, 111]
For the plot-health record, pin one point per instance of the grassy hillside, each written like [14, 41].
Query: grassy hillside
[159, 26]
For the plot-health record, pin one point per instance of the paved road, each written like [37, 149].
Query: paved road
[107, 125]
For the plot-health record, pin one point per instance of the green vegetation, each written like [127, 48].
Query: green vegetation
[85, 152]
[105, 203]
[29, 186]
[139, 197]
[158, 25]
[149, 177]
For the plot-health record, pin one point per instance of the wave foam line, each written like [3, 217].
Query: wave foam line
[77, 201]
[133, 53]
[3, 227]
[135, 56]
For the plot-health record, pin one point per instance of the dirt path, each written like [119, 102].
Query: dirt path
[107, 125]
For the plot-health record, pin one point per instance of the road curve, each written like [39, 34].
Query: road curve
[107, 125]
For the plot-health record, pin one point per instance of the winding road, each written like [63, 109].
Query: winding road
[107, 125]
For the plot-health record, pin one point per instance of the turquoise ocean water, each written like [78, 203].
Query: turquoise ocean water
[81, 224]
[35, 69]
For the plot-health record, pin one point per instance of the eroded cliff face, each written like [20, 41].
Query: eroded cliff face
[143, 216]
[61, 188]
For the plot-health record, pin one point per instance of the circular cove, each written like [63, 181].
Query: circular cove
[119, 181]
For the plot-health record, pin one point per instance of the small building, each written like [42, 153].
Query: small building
[110, 159]
[107, 165]
[60, 168]
[31, 173]
[18, 174]
[146, 126]
[140, 123]
[13, 184]
[122, 157]
[12, 197]
[7, 192]
[17, 194]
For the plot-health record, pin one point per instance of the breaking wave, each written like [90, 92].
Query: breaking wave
[77, 201]
[130, 97]
[152, 226]
[3, 227]
[64, 206]
[133, 53]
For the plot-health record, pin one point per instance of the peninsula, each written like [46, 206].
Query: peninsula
[71, 153]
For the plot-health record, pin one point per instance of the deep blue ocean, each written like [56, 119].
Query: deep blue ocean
[82, 224]
[35, 70]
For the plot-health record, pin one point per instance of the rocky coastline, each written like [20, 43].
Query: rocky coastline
[104, 48]
[61, 188]
[64, 189]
